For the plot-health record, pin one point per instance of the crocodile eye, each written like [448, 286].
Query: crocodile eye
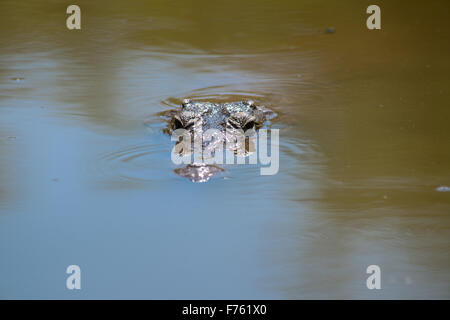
[249, 125]
[190, 123]
[177, 124]
[251, 104]
[233, 123]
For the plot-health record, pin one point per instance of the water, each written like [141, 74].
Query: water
[85, 169]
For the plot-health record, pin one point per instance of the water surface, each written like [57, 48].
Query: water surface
[86, 176]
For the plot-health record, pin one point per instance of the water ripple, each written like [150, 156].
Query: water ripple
[140, 162]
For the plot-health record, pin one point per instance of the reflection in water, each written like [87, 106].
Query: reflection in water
[87, 179]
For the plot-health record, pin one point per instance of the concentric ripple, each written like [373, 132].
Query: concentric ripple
[140, 162]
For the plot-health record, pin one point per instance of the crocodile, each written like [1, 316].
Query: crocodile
[227, 124]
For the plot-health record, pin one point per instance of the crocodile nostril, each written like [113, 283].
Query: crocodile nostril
[186, 102]
[251, 104]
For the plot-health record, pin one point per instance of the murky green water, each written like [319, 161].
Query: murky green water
[86, 176]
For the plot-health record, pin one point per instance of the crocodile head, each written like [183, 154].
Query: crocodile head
[221, 123]
[237, 115]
